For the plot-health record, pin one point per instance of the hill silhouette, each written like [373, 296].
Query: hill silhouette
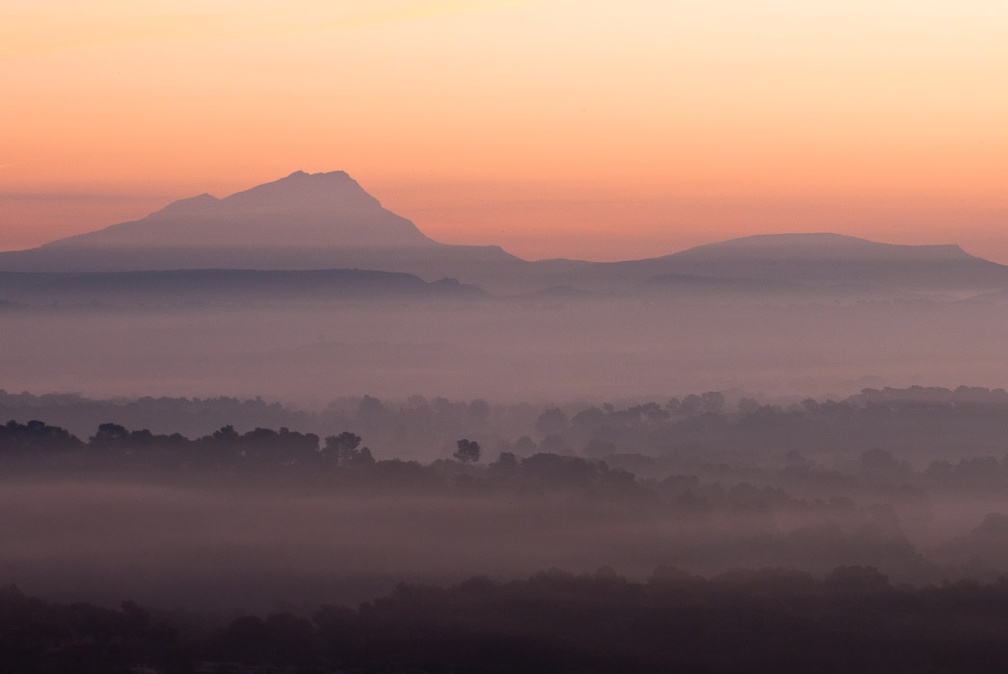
[825, 259]
[244, 286]
[783, 263]
[328, 221]
[320, 209]
[301, 222]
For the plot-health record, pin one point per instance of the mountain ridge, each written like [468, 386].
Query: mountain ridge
[823, 243]
[328, 221]
[223, 286]
[317, 209]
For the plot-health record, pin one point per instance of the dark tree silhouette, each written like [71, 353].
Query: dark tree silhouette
[468, 451]
[35, 436]
[342, 450]
[108, 435]
[344, 442]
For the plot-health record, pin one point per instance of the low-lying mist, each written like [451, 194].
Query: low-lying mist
[252, 548]
[714, 530]
[622, 392]
[908, 482]
[506, 350]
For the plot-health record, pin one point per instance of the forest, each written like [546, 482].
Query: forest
[710, 533]
[777, 620]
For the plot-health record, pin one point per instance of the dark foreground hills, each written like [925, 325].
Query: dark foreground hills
[771, 620]
[818, 536]
[326, 221]
[214, 286]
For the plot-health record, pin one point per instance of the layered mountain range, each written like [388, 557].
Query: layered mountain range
[326, 221]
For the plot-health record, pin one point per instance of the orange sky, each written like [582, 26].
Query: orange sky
[575, 128]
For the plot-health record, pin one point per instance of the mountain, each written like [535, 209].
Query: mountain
[304, 221]
[328, 221]
[815, 261]
[320, 209]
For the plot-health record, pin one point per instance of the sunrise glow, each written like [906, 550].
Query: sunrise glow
[553, 128]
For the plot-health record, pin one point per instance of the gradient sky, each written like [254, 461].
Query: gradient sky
[576, 128]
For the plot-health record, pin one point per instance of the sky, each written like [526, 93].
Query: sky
[554, 128]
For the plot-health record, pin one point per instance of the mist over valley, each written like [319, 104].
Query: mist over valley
[291, 398]
[306, 288]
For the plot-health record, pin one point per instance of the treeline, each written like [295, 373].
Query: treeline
[918, 425]
[188, 416]
[284, 455]
[779, 620]
[693, 479]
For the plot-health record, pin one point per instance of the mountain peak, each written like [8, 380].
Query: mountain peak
[334, 190]
[327, 174]
[313, 210]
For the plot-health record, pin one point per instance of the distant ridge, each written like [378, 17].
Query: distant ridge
[316, 221]
[222, 286]
[819, 246]
[301, 222]
[828, 260]
[815, 260]
[303, 209]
